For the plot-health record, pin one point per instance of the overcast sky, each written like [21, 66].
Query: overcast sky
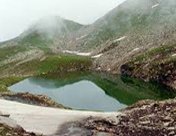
[18, 15]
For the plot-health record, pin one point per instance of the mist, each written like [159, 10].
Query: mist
[16, 16]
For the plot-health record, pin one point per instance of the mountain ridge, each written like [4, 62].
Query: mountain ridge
[126, 31]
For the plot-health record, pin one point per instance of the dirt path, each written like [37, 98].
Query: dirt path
[44, 120]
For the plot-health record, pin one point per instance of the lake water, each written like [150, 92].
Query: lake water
[91, 91]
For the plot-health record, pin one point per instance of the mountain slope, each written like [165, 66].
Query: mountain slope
[145, 17]
[158, 64]
[37, 41]
[43, 33]
[47, 30]
[131, 28]
[138, 15]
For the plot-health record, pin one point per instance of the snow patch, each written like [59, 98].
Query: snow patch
[136, 49]
[120, 39]
[77, 53]
[97, 56]
[99, 68]
[156, 5]
[173, 55]
[81, 37]
[83, 53]
[45, 120]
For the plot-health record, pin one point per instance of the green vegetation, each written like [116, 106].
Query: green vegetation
[157, 64]
[51, 65]
[10, 130]
[126, 90]
[43, 36]
[8, 81]
[64, 63]
[155, 57]
[163, 52]
[129, 90]
[71, 26]
[35, 40]
[10, 51]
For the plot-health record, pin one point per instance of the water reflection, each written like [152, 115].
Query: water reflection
[92, 91]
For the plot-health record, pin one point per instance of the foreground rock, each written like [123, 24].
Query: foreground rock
[144, 118]
[8, 127]
[28, 98]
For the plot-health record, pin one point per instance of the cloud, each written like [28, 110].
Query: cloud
[18, 15]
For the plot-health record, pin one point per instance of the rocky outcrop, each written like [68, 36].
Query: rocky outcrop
[157, 64]
[136, 42]
[144, 118]
[28, 98]
[8, 127]
[138, 26]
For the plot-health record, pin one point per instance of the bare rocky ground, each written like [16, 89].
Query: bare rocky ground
[10, 64]
[148, 118]
[116, 53]
[23, 57]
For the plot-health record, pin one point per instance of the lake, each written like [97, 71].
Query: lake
[92, 91]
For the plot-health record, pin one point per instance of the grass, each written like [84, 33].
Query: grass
[163, 52]
[36, 40]
[64, 63]
[8, 81]
[50, 67]
[10, 51]
[52, 64]
[157, 64]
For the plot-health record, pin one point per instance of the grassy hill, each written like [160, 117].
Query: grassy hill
[42, 39]
[158, 65]
[44, 33]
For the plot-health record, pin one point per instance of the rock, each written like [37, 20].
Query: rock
[171, 128]
[28, 98]
[4, 114]
[9, 122]
[172, 133]
[145, 122]
[9, 127]
[166, 124]
[144, 118]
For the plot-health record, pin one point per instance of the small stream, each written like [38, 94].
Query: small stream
[92, 91]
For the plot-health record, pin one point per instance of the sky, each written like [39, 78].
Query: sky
[17, 15]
